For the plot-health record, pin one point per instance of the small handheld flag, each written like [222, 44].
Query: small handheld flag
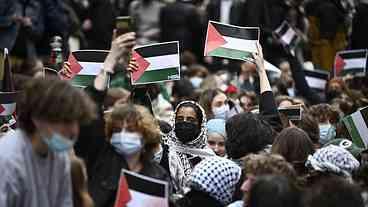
[7, 103]
[85, 65]
[287, 36]
[229, 41]
[143, 191]
[356, 123]
[156, 63]
[317, 79]
[292, 112]
[352, 62]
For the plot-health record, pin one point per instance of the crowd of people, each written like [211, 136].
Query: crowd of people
[215, 136]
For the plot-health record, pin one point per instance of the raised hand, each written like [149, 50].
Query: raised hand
[66, 72]
[258, 58]
[120, 45]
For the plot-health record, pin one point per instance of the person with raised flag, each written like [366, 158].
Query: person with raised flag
[34, 160]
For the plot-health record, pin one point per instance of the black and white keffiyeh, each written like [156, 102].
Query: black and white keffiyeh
[333, 159]
[179, 153]
[216, 176]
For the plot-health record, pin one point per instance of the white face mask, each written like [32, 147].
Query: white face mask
[221, 112]
[127, 143]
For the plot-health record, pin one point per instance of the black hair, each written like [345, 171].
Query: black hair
[246, 133]
[197, 110]
[334, 191]
[274, 191]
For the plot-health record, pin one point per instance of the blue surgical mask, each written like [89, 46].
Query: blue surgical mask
[196, 81]
[221, 112]
[327, 132]
[58, 143]
[127, 143]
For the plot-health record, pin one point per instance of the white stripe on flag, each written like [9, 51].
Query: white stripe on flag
[163, 62]
[240, 44]
[316, 82]
[288, 36]
[90, 68]
[355, 63]
[270, 67]
[143, 199]
[360, 126]
[9, 109]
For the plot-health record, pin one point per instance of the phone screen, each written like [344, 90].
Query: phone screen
[123, 25]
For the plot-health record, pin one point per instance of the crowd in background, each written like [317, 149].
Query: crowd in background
[215, 135]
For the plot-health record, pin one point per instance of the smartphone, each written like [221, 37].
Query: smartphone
[292, 112]
[123, 24]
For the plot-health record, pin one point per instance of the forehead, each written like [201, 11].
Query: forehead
[215, 137]
[219, 97]
[186, 111]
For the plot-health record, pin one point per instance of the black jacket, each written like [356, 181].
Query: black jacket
[196, 198]
[180, 21]
[236, 12]
[104, 164]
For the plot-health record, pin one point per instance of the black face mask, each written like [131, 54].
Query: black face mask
[186, 131]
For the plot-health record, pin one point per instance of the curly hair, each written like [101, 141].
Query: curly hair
[142, 120]
[266, 164]
[247, 133]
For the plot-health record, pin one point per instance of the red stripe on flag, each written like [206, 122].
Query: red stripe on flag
[123, 196]
[214, 39]
[142, 66]
[75, 67]
[339, 64]
[2, 109]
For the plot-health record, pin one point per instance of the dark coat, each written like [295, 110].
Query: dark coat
[236, 12]
[195, 198]
[180, 21]
[103, 163]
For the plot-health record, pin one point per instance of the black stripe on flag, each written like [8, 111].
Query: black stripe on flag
[97, 56]
[353, 54]
[8, 97]
[144, 186]
[246, 33]
[364, 113]
[324, 75]
[167, 48]
[282, 29]
[293, 113]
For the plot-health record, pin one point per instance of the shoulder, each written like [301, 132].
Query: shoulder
[12, 145]
[154, 170]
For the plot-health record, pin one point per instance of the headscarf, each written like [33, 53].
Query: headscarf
[179, 164]
[333, 159]
[216, 176]
[216, 126]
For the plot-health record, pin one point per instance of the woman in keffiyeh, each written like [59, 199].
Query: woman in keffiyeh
[185, 145]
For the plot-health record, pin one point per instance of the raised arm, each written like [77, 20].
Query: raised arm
[267, 105]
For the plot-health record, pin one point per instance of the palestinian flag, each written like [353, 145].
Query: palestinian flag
[7, 83]
[356, 124]
[287, 36]
[7, 103]
[85, 65]
[317, 79]
[233, 42]
[144, 191]
[351, 61]
[156, 63]
[292, 112]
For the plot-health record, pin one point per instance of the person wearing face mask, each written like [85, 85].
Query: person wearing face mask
[217, 105]
[186, 144]
[34, 159]
[132, 136]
